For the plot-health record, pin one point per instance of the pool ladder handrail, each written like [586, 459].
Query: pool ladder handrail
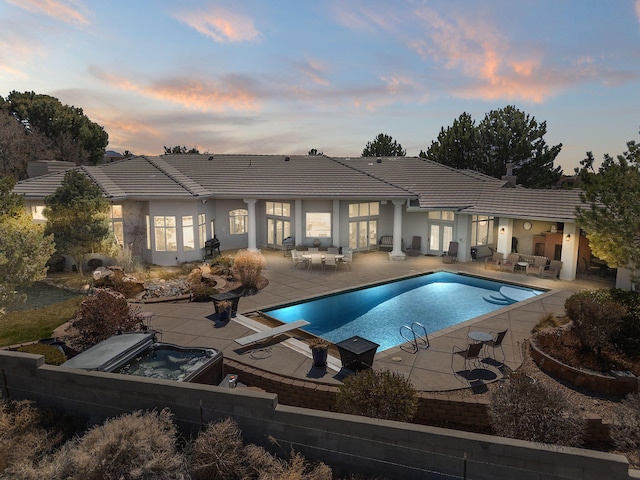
[417, 340]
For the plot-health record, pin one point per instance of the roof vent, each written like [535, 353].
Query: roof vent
[286, 159]
[379, 160]
[210, 157]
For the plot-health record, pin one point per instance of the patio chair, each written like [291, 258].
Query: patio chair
[333, 250]
[330, 261]
[452, 254]
[416, 247]
[297, 258]
[553, 271]
[493, 262]
[496, 342]
[313, 249]
[539, 264]
[510, 263]
[347, 258]
[471, 355]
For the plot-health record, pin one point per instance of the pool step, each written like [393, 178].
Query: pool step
[498, 300]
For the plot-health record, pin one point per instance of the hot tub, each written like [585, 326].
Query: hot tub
[139, 354]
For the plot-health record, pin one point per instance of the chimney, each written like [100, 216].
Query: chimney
[510, 177]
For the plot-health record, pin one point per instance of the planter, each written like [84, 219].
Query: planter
[320, 356]
[613, 383]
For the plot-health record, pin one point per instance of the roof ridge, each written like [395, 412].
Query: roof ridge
[100, 178]
[186, 182]
[345, 164]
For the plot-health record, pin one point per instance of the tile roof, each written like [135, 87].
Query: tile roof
[271, 176]
[435, 186]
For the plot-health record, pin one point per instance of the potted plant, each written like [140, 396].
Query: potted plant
[223, 309]
[319, 351]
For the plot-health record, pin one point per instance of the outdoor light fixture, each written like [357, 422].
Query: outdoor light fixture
[502, 231]
[568, 237]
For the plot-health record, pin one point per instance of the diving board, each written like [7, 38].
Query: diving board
[271, 332]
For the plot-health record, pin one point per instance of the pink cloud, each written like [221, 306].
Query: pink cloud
[70, 11]
[638, 9]
[485, 57]
[314, 69]
[229, 93]
[221, 25]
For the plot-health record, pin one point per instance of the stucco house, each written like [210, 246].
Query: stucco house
[165, 207]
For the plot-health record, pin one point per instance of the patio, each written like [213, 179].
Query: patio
[193, 324]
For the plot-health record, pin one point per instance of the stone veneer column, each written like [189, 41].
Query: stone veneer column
[397, 253]
[251, 207]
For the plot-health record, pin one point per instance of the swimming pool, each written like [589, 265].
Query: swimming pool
[436, 300]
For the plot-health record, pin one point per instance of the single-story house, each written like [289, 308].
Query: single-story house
[166, 207]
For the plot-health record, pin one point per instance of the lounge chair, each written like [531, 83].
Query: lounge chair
[496, 342]
[416, 247]
[494, 261]
[510, 263]
[333, 250]
[537, 268]
[452, 254]
[471, 355]
[270, 332]
[553, 271]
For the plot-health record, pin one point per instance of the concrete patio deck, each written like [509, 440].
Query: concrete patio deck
[193, 324]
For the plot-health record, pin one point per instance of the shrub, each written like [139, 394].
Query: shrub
[52, 355]
[548, 321]
[247, 267]
[596, 318]
[378, 394]
[625, 430]
[100, 316]
[217, 452]
[221, 265]
[524, 409]
[136, 446]
[25, 435]
[627, 338]
[202, 292]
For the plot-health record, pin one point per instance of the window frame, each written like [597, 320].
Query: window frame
[238, 221]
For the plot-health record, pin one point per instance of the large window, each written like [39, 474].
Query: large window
[369, 209]
[116, 223]
[37, 212]
[202, 229]
[482, 230]
[165, 233]
[278, 222]
[188, 233]
[442, 215]
[238, 221]
[363, 225]
[278, 209]
[318, 225]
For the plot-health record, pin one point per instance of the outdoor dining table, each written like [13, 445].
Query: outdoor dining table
[319, 258]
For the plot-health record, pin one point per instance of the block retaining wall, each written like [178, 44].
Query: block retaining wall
[367, 446]
[438, 410]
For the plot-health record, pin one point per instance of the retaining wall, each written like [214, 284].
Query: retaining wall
[368, 446]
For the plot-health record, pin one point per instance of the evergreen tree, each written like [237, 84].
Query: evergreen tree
[24, 249]
[504, 136]
[510, 136]
[458, 146]
[383, 146]
[77, 217]
[611, 211]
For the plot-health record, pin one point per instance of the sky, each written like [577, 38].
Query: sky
[288, 76]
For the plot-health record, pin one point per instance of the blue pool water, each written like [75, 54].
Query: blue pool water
[436, 300]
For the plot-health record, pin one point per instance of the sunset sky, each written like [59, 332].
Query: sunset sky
[283, 76]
